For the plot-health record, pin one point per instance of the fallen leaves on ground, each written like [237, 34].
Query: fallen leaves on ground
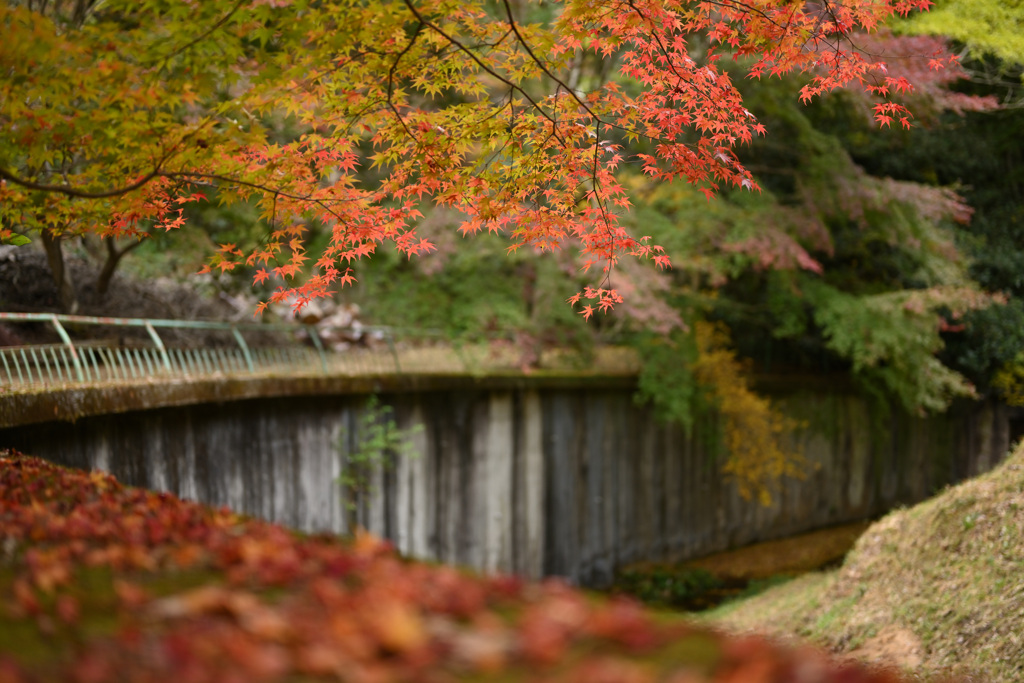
[103, 582]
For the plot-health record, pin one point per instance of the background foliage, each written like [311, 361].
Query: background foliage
[289, 135]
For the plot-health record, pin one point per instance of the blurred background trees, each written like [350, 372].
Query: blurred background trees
[891, 255]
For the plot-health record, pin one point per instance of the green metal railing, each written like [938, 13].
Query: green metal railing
[97, 361]
[147, 350]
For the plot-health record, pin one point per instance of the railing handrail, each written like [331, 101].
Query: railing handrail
[83, 361]
[38, 363]
[158, 322]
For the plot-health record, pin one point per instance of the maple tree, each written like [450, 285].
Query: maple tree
[100, 581]
[119, 114]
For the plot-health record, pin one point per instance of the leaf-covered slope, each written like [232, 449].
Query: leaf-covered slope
[100, 582]
[940, 585]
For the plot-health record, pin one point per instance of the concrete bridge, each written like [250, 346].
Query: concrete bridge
[553, 472]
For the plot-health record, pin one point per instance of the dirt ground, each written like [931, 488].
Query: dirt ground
[794, 555]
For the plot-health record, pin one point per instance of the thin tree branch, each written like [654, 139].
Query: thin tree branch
[206, 34]
[542, 65]
[77, 193]
[441, 32]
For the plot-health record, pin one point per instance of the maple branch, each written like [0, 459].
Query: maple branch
[256, 186]
[597, 184]
[516, 88]
[664, 51]
[70, 191]
[441, 32]
[206, 34]
[391, 81]
[541, 64]
[745, 6]
[77, 193]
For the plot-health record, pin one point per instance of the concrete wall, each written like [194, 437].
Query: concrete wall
[538, 481]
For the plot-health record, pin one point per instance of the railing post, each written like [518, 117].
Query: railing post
[315, 337]
[394, 351]
[245, 348]
[67, 341]
[159, 345]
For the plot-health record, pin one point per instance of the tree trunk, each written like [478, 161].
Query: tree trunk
[110, 264]
[61, 276]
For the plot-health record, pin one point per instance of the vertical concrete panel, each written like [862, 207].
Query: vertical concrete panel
[670, 486]
[374, 514]
[890, 462]
[101, 452]
[688, 488]
[644, 497]
[403, 496]
[280, 442]
[453, 450]
[659, 501]
[473, 517]
[590, 475]
[418, 520]
[254, 473]
[859, 430]
[561, 537]
[155, 454]
[533, 486]
[609, 448]
[985, 443]
[625, 474]
[318, 488]
[187, 464]
[497, 475]
[923, 447]
[337, 523]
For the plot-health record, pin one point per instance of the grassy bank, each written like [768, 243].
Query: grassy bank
[938, 587]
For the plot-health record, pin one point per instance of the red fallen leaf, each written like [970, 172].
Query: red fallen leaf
[749, 660]
[48, 569]
[453, 593]
[129, 595]
[258, 619]
[25, 598]
[102, 481]
[625, 622]
[542, 641]
[67, 609]
[202, 600]
[351, 637]
[611, 670]
[366, 545]
[180, 649]
[139, 557]
[186, 556]
[396, 626]
[9, 671]
[506, 586]
[328, 592]
[262, 661]
[92, 667]
[320, 659]
[485, 647]
[693, 677]
[566, 608]
[751, 671]
[745, 648]
[44, 622]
